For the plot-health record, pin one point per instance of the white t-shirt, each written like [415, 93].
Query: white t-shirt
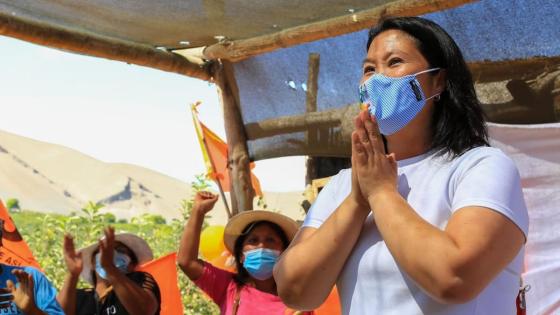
[371, 282]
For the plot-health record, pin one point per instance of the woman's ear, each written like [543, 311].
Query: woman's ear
[440, 81]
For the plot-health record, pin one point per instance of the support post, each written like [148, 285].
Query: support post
[242, 192]
[310, 107]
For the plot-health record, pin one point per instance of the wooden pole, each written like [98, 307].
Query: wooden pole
[245, 48]
[288, 124]
[311, 107]
[98, 46]
[241, 188]
[521, 69]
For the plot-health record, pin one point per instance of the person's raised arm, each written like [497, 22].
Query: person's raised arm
[309, 268]
[74, 263]
[128, 292]
[187, 256]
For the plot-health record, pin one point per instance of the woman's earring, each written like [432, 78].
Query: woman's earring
[437, 98]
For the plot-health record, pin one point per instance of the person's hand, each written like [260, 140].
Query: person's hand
[23, 295]
[107, 252]
[356, 193]
[204, 201]
[73, 260]
[376, 171]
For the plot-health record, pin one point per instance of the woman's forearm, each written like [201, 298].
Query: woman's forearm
[308, 269]
[187, 256]
[67, 295]
[452, 265]
[134, 298]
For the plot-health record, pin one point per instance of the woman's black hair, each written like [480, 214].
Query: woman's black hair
[242, 276]
[458, 120]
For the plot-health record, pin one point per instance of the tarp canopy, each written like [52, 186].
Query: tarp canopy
[167, 23]
[274, 84]
[144, 32]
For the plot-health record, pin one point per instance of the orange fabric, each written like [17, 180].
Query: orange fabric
[215, 151]
[164, 271]
[14, 251]
[331, 306]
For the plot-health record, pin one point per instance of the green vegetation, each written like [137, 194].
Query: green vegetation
[12, 204]
[44, 235]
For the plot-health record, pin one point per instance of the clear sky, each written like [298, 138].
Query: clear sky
[117, 112]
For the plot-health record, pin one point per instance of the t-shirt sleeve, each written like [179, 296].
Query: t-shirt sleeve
[45, 293]
[330, 197]
[214, 282]
[492, 180]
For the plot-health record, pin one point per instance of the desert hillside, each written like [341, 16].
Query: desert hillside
[52, 178]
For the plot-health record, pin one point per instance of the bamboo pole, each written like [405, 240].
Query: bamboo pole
[241, 186]
[245, 48]
[98, 46]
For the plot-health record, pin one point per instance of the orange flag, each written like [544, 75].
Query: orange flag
[164, 271]
[215, 155]
[14, 249]
[331, 306]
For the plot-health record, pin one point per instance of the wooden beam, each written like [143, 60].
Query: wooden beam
[520, 69]
[98, 46]
[238, 154]
[288, 124]
[245, 48]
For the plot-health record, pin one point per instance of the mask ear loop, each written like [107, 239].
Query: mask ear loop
[436, 96]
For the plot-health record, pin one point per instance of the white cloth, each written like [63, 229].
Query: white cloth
[535, 149]
[372, 283]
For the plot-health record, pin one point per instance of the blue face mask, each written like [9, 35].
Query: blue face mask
[259, 262]
[120, 260]
[394, 101]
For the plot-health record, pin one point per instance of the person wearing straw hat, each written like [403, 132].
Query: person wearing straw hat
[109, 266]
[256, 239]
[25, 290]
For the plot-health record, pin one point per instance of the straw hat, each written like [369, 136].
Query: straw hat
[137, 245]
[238, 223]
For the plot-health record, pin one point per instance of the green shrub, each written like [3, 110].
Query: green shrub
[12, 204]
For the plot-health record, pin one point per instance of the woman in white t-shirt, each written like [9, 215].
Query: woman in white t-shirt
[430, 219]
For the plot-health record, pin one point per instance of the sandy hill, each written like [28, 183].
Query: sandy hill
[53, 178]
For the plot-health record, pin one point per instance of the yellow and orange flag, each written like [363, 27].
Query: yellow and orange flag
[14, 250]
[215, 155]
[164, 271]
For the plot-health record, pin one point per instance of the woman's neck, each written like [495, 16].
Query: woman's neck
[101, 287]
[407, 145]
[268, 285]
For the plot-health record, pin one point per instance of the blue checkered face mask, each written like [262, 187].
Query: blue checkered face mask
[394, 101]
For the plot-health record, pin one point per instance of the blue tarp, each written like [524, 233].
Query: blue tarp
[273, 85]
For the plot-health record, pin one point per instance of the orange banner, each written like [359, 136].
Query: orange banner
[164, 271]
[14, 250]
[215, 154]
